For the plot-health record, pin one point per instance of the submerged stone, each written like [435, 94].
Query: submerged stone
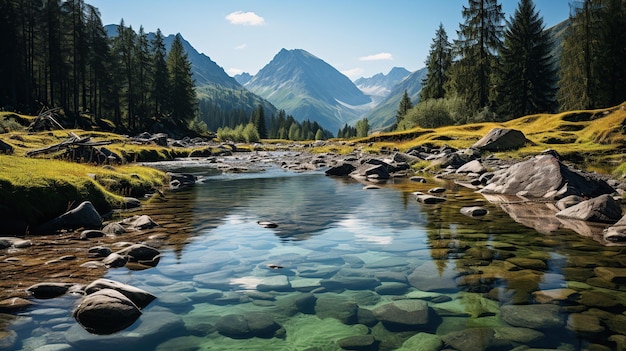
[540, 316]
[409, 313]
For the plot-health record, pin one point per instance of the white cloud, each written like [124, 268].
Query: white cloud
[245, 18]
[353, 73]
[377, 57]
[241, 47]
[234, 71]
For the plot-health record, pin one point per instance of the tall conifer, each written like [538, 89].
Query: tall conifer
[527, 74]
[479, 41]
[183, 96]
[438, 61]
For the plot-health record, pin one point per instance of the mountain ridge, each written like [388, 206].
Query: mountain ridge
[307, 87]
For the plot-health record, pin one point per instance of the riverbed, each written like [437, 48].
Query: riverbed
[337, 257]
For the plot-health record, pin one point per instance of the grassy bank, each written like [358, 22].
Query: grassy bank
[37, 189]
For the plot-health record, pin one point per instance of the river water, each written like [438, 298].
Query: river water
[338, 254]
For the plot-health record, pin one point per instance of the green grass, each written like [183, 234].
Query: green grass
[36, 190]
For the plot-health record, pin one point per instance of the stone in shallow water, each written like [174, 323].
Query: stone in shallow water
[392, 288]
[422, 342]
[533, 316]
[428, 277]
[611, 274]
[338, 308]
[257, 324]
[528, 263]
[584, 323]
[554, 295]
[411, 313]
[473, 339]
[152, 327]
[352, 283]
[592, 298]
[357, 342]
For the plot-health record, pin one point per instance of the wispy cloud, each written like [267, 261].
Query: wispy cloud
[241, 47]
[245, 18]
[377, 57]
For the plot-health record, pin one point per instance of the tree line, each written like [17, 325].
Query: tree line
[281, 126]
[57, 54]
[499, 70]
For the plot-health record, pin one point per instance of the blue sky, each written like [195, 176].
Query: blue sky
[358, 37]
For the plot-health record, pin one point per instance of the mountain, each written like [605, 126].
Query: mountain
[384, 114]
[211, 81]
[380, 85]
[243, 78]
[306, 87]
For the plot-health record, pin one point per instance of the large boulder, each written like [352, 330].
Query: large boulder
[255, 324]
[406, 313]
[544, 177]
[500, 139]
[83, 216]
[603, 209]
[105, 312]
[139, 297]
[341, 170]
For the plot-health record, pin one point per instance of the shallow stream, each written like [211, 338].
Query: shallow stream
[338, 254]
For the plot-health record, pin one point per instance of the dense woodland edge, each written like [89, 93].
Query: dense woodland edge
[57, 54]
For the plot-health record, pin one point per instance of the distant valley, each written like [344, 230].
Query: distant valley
[306, 87]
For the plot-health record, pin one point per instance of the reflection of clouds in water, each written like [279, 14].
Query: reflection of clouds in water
[359, 228]
[246, 283]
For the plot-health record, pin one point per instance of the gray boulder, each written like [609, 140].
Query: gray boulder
[139, 252]
[139, 297]
[603, 209]
[544, 177]
[341, 170]
[255, 324]
[500, 139]
[408, 313]
[105, 312]
[83, 216]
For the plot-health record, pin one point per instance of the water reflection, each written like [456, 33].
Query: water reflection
[338, 262]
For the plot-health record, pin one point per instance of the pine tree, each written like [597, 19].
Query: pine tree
[577, 83]
[258, 119]
[183, 96]
[362, 128]
[527, 75]
[404, 106]
[610, 58]
[479, 41]
[438, 61]
[160, 82]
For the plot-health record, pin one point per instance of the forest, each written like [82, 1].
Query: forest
[499, 69]
[57, 54]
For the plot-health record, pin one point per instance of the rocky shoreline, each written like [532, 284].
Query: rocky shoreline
[541, 192]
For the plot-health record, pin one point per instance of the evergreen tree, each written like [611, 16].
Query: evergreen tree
[438, 61]
[183, 96]
[160, 82]
[479, 41]
[527, 75]
[362, 128]
[259, 122]
[144, 78]
[611, 54]
[403, 107]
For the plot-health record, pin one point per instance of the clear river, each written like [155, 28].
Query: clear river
[346, 267]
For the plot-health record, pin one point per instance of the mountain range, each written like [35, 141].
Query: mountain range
[308, 88]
